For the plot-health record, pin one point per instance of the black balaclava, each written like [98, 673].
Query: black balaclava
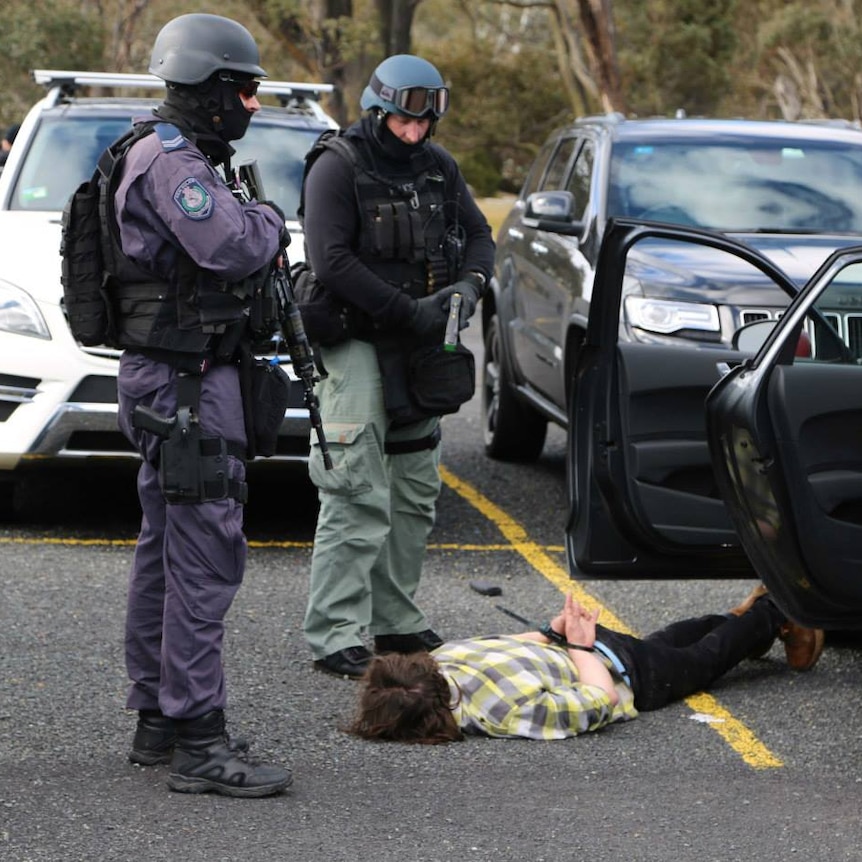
[212, 112]
[392, 146]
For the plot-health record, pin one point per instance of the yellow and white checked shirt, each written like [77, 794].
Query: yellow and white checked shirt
[506, 687]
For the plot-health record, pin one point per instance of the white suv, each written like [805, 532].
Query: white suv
[58, 400]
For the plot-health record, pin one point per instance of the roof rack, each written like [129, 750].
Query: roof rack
[69, 82]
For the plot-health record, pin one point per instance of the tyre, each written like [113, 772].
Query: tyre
[513, 431]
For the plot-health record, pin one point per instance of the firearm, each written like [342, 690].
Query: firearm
[247, 184]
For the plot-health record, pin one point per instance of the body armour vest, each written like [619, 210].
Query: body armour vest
[151, 313]
[404, 235]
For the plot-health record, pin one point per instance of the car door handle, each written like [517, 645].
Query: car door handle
[539, 248]
[515, 233]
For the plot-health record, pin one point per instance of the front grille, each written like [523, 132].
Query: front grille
[848, 326]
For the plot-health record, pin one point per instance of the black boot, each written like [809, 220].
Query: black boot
[154, 739]
[205, 760]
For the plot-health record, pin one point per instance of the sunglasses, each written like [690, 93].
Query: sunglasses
[247, 87]
[414, 101]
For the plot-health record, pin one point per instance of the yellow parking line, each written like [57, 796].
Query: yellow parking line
[733, 731]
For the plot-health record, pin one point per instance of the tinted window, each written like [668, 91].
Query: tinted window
[531, 184]
[579, 181]
[768, 185]
[559, 164]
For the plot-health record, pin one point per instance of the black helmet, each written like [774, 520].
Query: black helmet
[191, 48]
[408, 85]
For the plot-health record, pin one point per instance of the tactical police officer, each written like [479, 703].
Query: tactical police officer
[189, 250]
[392, 232]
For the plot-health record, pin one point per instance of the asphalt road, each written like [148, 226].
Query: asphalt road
[767, 768]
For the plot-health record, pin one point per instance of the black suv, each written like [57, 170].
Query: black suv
[792, 191]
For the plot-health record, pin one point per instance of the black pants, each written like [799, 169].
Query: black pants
[688, 656]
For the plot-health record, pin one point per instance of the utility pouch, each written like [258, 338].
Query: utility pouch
[441, 380]
[269, 398]
[324, 318]
[425, 382]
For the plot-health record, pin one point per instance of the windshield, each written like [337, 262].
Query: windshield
[739, 186]
[65, 149]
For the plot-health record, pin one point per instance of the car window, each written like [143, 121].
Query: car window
[580, 179]
[765, 185]
[280, 153]
[531, 184]
[557, 170]
[62, 154]
[65, 149]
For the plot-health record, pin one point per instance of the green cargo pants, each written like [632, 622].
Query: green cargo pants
[376, 510]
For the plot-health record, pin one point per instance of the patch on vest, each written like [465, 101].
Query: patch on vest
[193, 199]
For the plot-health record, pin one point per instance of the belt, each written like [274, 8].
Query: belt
[614, 659]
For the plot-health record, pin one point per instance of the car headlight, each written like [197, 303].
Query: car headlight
[19, 314]
[665, 317]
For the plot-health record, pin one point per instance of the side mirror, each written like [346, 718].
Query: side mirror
[751, 337]
[552, 211]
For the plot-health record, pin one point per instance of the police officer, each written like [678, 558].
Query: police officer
[392, 236]
[188, 249]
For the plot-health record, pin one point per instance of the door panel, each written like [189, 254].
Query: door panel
[671, 486]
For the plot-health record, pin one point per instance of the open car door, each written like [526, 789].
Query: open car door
[785, 430]
[643, 497]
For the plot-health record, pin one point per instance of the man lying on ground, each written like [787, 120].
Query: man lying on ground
[570, 677]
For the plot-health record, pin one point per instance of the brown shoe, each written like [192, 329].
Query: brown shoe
[750, 599]
[802, 646]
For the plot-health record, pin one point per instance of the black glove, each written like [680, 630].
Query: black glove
[430, 314]
[470, 296]
[284, 236]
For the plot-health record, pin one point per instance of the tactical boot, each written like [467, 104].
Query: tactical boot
[154, 739]
[205, 760]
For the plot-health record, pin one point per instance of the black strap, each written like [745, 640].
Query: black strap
[405, 447]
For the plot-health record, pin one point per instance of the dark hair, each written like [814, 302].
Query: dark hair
[405, 698]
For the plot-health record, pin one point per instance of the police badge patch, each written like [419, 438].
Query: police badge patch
[193, 199]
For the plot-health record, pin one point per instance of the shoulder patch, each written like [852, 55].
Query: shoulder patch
[170, 137]
[193, 199]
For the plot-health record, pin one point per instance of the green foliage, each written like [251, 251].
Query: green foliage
[43, 35]
[676, 54]
[503, 107]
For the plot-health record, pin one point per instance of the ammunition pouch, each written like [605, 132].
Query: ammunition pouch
[265, 397]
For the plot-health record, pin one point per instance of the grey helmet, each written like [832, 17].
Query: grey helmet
[407, 85]
[191, 48]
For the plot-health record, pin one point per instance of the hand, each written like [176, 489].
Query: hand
[284, 235]
[470, 296]
[580, 624]
[430, 314]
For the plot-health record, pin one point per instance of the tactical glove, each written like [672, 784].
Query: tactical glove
[430, 314]
[284, 236]
[470, 295]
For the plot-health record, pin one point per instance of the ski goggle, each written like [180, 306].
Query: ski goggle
[414, 101]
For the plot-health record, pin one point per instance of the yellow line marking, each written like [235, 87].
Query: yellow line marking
[733, 731]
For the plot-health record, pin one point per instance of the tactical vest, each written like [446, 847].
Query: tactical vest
[150, 313]
[403, 233]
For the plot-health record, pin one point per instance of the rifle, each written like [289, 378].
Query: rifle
[246, 184]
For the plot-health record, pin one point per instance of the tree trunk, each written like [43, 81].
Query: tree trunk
[396, 23]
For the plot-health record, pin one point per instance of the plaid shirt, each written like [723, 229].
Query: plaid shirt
[506, 687]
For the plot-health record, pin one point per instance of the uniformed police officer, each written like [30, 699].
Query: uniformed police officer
[189, 247]
[392, 236]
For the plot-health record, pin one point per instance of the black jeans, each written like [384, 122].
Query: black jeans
[686, 657]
